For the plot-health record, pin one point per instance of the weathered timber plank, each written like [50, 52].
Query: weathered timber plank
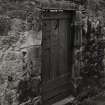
[46, 51]
[57, 15]
[54, 49]
[56, 83]
[57, 91]
[57, 98]
[63, 65]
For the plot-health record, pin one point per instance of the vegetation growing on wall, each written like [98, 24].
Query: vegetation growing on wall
[19, 16]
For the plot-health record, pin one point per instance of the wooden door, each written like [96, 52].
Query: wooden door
[57, 44]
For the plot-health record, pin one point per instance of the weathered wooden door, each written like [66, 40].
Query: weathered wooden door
[57, 44]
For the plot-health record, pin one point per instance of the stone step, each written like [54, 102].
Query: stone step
[64, 101]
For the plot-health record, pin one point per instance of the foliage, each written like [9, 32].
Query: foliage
[92, 68]
[93, 55]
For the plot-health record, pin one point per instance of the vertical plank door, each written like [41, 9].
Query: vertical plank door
[57, 42]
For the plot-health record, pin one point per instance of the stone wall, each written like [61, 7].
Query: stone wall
[11, 59]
